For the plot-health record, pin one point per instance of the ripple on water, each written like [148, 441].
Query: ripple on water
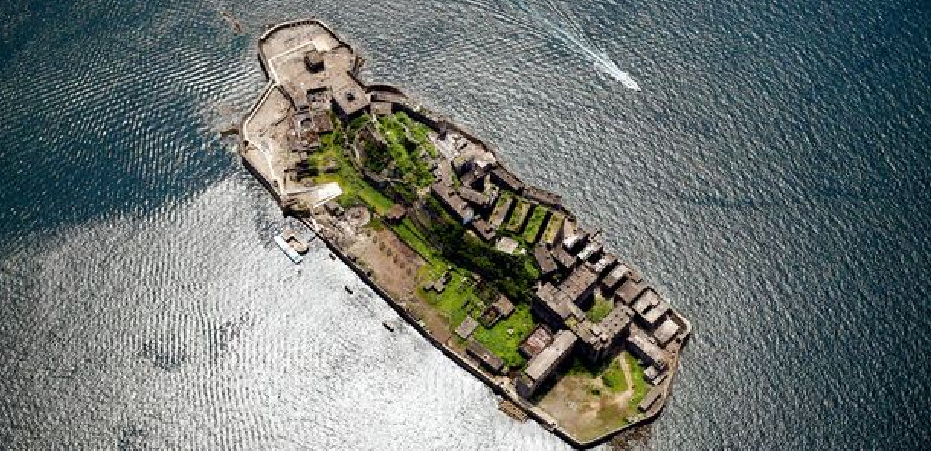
[181, 328]
[770, 180]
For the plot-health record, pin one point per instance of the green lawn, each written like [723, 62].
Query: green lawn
[534, 223]
[501, 204]
[600, 309]
[498, 340]
[419, 132]
[530, 265]
[552, 227]
[354, 187]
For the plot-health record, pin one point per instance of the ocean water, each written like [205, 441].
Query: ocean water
[771, 178]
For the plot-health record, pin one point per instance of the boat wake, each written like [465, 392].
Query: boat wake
[569, 31]
[562, 24]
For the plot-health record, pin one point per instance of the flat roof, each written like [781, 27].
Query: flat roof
[349, 94]
[538, 340]
[630, 290]
[542, 364]
[580, 280]
[466, 327]
[486, 356]
[656, 312]
[666, 331]
[639, 340]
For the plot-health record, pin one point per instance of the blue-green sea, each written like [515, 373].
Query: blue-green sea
[772, 179]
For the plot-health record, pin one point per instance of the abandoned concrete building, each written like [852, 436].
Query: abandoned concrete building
[542, 365]
[487, 358]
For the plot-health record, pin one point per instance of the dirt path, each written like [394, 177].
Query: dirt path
[623, 398]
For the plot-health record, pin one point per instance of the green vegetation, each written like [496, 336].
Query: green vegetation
[442, 241]
[407, 155]
[552, 227]
[358, 123]
[638, 379]
[512, 275]
[404, 154]
[600, 309]
[501, 204]
[534, 223]
[581, 367]
[457, 300]
[376, 156]
[499, 340]
[609, 371]
[355, 188]
[518, 215]
[613, 377]
[419, 132]
[410, 235]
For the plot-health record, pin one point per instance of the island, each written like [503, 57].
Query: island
[494, 272]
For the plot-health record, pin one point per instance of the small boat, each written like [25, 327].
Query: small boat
[628, 81]
[388, 325]
[288, 250]
[348, 290]
[332, 257]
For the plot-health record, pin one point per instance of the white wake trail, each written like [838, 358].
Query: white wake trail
[599, 58]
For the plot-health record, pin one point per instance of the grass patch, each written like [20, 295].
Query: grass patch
[641, 386]
[358, 123]
[613, 377]
[580, 367]
[419, 132]
[457, 300]
[530, 266]
[534, 223]
[552, 227]
[518, 215]
[503, 203]
[355, 188]
[375, 199]
[498, 340]
[410, 235]
[600, 309]
[453, 299]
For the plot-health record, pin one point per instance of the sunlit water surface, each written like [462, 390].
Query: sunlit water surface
[771, 178]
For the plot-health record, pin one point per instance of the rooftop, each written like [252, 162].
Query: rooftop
[542, 364]
[539, 339]
[485, 356]
[579, 281]
[544, 258]
[666, 331]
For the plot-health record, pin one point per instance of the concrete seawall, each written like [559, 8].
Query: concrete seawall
[473, 368]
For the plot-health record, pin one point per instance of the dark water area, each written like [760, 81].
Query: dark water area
[771, 179]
